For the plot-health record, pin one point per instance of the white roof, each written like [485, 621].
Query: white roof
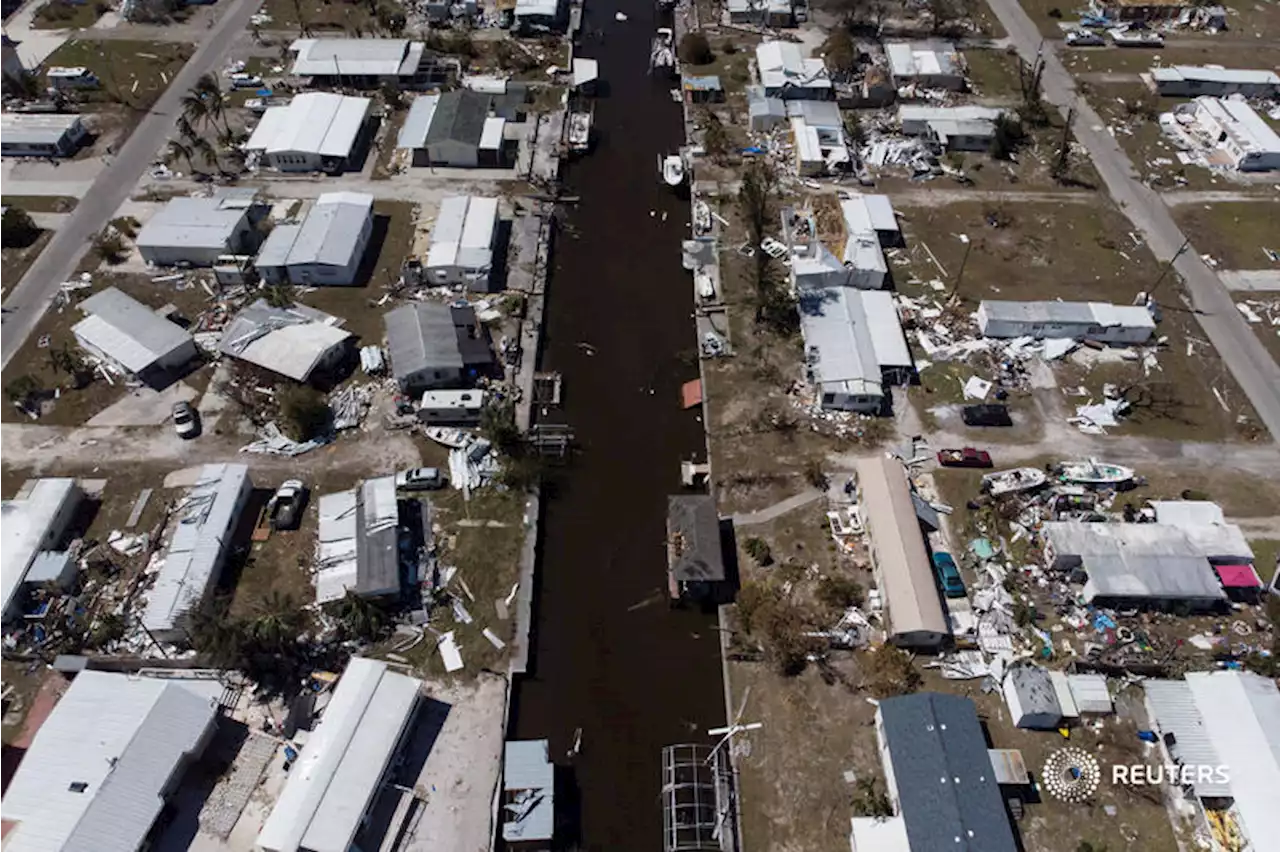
[122, 737]
[1058, 312]
[1185, 513]
[126, 330]
[837, 341]
[36, 128]
[862, 251]
[877, 834]
[207, 519]
[208, 223]
[887, 339]
[863, 213]
[1241, 713]
[24, 524]
[413, 133]
[66, 71]
[469, 398]
[527, 768]
[585, 71]
[463, 234]
[328, 236]
[1213, 74]
[1239, 120]
[968, 112]
[289, 341]
[356, 57]
[920, 59]
[312, 123]
[537, 8]
[337, 774]
[491, 133]
[781, 63]
[808, 148]
[336, 552]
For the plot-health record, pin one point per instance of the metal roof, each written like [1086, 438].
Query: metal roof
[34, 128]
[320, 123]
[463, 233]
[1184, 513]
[290, 341]
[946, 786]
[760, 104]
[1174, 711]
[421, 336]
[864, 213]
[336, 559]
[1090, 692]
[1212, 74]
[838, 343]
[25, 525]
[693, 538]
[207, 519]
[122, 737]
[923, 58]
[887, 340]
[340, 768]
[1077, 313]
[378, 539]
[413, 133]
[1240, 120]
[527, 769]
[459, 117]
[818, 114]
[330, 235]
[1140, 560]
[355, 57]
[781, 64]
[126, 330]
[902, 566]
[207, 223]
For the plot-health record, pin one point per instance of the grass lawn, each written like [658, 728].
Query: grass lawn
[393, 230]
[994, 73]
[16, 261]
[63, 15]
[133, 73]
[320, 15]
[41, 203]
[1267, 333]
[1137, 60]
[1233, 232]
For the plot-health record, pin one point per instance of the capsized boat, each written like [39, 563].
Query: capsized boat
[1013, 481]
[662, 53]
[454, 439]
[672, 169]
[1094, 472]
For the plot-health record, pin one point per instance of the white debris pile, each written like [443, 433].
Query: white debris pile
[271, 441]
[1261, 312]
[473, 465]
[350, 405]
[127, 545]
[1095, 419]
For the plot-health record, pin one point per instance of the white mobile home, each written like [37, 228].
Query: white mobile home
[326, 248]
[35, 134]
[316, 131]
[959, 128]
[358, 542]
[198, 231]
[35, 522]
[854, 346]
[1105, 323]
[928, 64]
[462, 242]
[1189, 81]
[1232, 134]
[122, 331]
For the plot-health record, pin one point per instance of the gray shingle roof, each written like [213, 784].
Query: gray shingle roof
[430, 336]
[693, 538]
[459, 117]
[946, 786]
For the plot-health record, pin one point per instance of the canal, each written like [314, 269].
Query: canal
[609, 655]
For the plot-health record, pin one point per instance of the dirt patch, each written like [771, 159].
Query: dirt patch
[16, 261]
[1233, 233]
[42, 203]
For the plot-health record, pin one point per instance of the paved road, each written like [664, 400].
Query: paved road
[1243, 353]
[28, 301]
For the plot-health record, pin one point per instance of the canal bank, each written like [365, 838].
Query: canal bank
[609, 656]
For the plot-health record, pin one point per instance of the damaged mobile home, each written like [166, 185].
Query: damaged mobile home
[131, 337]
[358, 542]
[1122, 325]
[325, 249]
[296, 342]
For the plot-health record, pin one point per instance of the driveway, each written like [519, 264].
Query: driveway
[1243, 353]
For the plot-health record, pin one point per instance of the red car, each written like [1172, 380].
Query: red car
[968, 457]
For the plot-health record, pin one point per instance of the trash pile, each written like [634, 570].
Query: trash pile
[1261, 311]
[271, 441]
[350, 405]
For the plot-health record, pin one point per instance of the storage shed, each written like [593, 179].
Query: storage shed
[462, 242]
[1033, 702]
[135, 339]
[436, 346]
[197, 231]
[1090, 693]
[1105, 323]
[326, 248]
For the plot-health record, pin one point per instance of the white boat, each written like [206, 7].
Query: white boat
[701, 217]
[662, 54]
[672, 169]
[706, 287]
[1094, 472]
[579, 131]
[454, 439]
[1013, 481]
[1137, 38]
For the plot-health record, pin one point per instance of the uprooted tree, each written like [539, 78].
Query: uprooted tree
[889, 671]
[783, 627]
[304, 411]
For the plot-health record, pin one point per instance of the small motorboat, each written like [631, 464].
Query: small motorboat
[1137, 38]
[454, 439]
[1013, 481]
[1093, 472]
[701, 217]
[672, 169]
[662, 53]
[579, 131]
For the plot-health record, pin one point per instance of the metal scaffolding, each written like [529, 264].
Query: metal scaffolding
[697, 800]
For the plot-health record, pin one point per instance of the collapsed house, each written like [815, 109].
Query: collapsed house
[787, 74]
[314, 132]
[134, 339]
[957, 128]
[343, 763]
[197, 551]
[1226, 132]
[528, 795]
[939, 778]
[1189, 81]
[901, 566]
[325, 248]
[695, 559]
[35, 522]
[462, 242]
[105, 763]
[1149, 564]
[358, 542]
[457, 129]
[867, 224]
[540, 15]
[1122, 325]
[925, 64]
[366, 63]
[854, 347]
[1139, 10]
[436, 346]
[296, 342]
[1225, 722]
[199, 231]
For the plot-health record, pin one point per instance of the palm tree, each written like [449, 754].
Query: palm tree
[277, 622]
[208, 153]
[361, 618]
[210, 90]
[179, 150]
[195, 110]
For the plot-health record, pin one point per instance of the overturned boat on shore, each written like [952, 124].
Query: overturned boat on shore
[1093, 472]
[1013, 481]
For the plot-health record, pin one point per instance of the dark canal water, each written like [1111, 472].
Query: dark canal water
[610, 656]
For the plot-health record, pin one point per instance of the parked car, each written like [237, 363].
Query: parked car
[420, 479]
[986, 415]
[1085, 38]
[246, 81]
[285, 507]
[968, 457]
[186, 422]
[948, 575]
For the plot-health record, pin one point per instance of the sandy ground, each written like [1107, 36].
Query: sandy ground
[144, 407]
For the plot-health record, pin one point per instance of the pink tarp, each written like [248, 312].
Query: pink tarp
[1238, 576]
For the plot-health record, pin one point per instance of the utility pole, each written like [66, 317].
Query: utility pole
[955, 290]
[1168, 265]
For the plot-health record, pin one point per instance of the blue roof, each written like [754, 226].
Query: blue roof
[947, 788]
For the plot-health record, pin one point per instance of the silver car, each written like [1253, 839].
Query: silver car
[420, 479]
